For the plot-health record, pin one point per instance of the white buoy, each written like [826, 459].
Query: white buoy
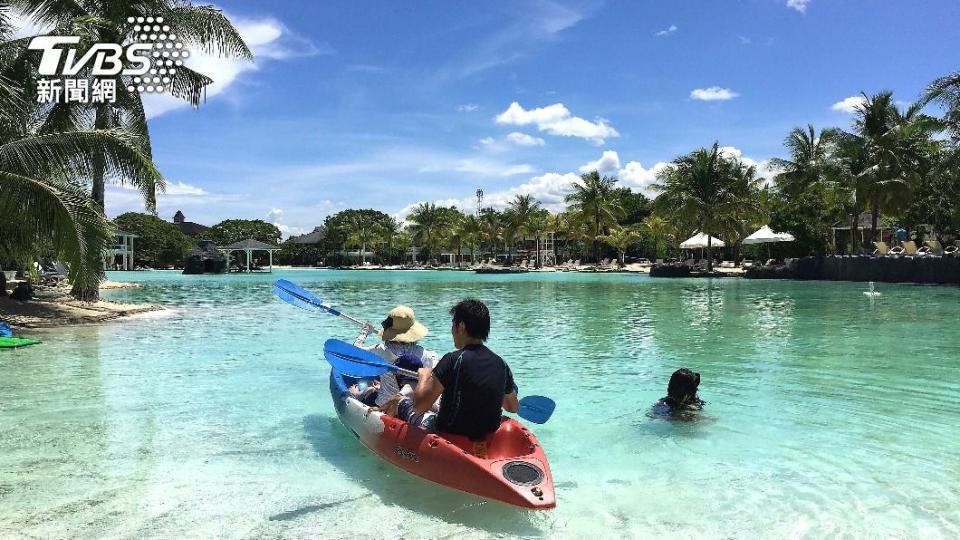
[871, 292]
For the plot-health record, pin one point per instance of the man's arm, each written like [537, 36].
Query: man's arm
[427, 391]
[510, 403]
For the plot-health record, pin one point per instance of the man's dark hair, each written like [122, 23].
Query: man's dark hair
[475, 317]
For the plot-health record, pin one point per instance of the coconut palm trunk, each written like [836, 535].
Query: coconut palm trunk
[853, 233]
[709, 253]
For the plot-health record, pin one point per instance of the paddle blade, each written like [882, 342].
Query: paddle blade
[353, 361]
[296, 295]
[536, 409]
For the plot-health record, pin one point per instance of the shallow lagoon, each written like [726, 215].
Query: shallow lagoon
[829, 413]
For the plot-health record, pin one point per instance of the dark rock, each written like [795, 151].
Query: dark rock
[22, 292]
[670, 270]
[888, 269]
[205, 259]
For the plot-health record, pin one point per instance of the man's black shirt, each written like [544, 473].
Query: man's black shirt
[474, 380]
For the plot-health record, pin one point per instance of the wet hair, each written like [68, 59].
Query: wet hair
[474, 316]
[683, 386]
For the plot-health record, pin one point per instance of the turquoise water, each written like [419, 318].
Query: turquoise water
[829, 413]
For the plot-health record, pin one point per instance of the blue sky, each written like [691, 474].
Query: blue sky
[383, 104]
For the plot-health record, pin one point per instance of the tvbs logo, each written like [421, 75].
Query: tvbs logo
[104, 59]
[149, 62]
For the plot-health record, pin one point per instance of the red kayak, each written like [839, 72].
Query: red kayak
[514, 471]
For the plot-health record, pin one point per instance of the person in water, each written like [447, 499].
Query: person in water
[681, 398]
[399, 335]
[472, 382]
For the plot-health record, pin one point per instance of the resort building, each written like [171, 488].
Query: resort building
[121, 247]
[188, 228]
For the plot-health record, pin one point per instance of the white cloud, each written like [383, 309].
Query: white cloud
[488, 141]
[799, 5]
[744, 40]
[714, 93]
[848, 105]
[764, 168]
[268, 39]
[125, 198]
[275, 216]
[634, 176]
[479, 167]
[608, 161]
[667, 31]
[522, 139]
[469, 107]
[556, 119]
[183, 189]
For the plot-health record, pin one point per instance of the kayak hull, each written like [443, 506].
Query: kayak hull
[515, 470]
[14, 342]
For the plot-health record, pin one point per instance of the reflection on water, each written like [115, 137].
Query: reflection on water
[828, 413]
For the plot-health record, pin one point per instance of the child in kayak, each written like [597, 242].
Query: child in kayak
[681, 400]
[400, 334]
[472, 382]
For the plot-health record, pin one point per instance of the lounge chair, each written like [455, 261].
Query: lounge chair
[746, 263]
[882, 248]
[952, 251]
[896, 250]
[910, 248]
[770, 262]
[932, 247]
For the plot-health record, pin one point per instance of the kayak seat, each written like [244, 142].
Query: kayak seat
[510, 440]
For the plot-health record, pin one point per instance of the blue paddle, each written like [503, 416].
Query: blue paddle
[296, 295]
[356, 362]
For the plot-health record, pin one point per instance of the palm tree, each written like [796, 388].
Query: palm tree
[659, 231]
[427, 226]
[537, 225]
[706, 191]
[594, 201]
[621, 239]
[44, 174]
[470, 230]
[556, 224]
[361, 231]
[519, 211]
[809, 155]
[897, 144]
[42, 202]
[200, 28]
[946, 91]
[850, 161]
[492, 228]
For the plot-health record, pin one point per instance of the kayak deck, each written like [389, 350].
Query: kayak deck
[514, 471]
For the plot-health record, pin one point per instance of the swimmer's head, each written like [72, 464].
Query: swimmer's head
[683, 385]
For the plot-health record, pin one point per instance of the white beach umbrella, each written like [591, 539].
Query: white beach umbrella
[699, 241]
[766, 235]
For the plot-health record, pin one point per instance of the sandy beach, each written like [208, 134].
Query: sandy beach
[53, 307]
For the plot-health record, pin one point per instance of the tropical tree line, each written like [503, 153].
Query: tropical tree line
[56, 158]
[899, 164]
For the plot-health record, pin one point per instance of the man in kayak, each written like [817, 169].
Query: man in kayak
[399, 334]
[473, 383]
